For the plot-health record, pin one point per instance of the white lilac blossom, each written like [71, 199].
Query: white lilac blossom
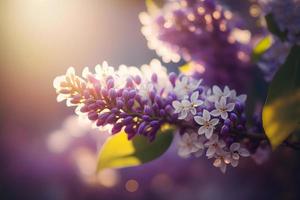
[207, 124]
[190, 143]
[222, 108]
[235, 152]
[203, 33]
[140, 101]
[186, 107]
[286, 14]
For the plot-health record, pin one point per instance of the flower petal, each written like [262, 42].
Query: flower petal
[235, 146]
[215, 113]
[199, 120]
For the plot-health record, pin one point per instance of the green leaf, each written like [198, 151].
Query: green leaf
[120, 152]
[274, 28]
[261, 47]
[281, 112]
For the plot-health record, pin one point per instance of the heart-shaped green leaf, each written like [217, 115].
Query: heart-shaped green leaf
[281, 112]
[120, 152]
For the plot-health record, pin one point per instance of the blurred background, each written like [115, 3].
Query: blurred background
[47, 154]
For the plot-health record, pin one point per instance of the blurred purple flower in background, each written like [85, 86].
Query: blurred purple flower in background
[205, 34]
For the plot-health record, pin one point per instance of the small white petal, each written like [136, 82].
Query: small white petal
[214, 122]
[230, 107]
[193, 111]
[244, 152]
[186, 103]
[217, 162]
[210, 151]
[183, 114]
[234, 163]
[206, 115]
[209, 132]
[194, 96]
[201, 130]
[223, 168]
[215, 113]
[235, 146]
[224, 115]
[242, 98]
[223, 101]
[217, 90]
[199, 120]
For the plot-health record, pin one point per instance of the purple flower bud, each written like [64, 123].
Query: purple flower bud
[93, 106]
[146, 117]
[120, 103]
[129, 83]
[117, 128]
[130, 103]
[158, 101]
[169, 109]
[233, 117]
[104, 92]
[92, 116]
[137, 79]
[112, 93]
[154, 78]
[229, 140]
[129, 129]
[224, 130]
[154, 123]
[123, 114]
[141, 128]
[119, 92]
[239, 107]
[228, 122]
[148, 110]
[155, 108]
[84, 109]
[100, 103]
[110, 83]
[125, 94]
[172, 78]
[127, 120]
[132, 93]
[162, 112]
[114, 110]
[111, 119]
[152, 95]
[103, 116]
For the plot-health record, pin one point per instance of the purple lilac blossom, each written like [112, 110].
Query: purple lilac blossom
[200, 32]
[273, 58]
[140, 101]
[287, 15]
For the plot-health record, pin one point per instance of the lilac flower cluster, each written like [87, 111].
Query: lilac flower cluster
[215, 123]
[273, 58]
[140, 101]
[286, 14]
[203, 33]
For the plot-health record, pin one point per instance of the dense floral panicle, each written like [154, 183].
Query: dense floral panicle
[202, 32]
[273, 58]
[210, 120]
[137, 101]
[286, 14]
[215, 123]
